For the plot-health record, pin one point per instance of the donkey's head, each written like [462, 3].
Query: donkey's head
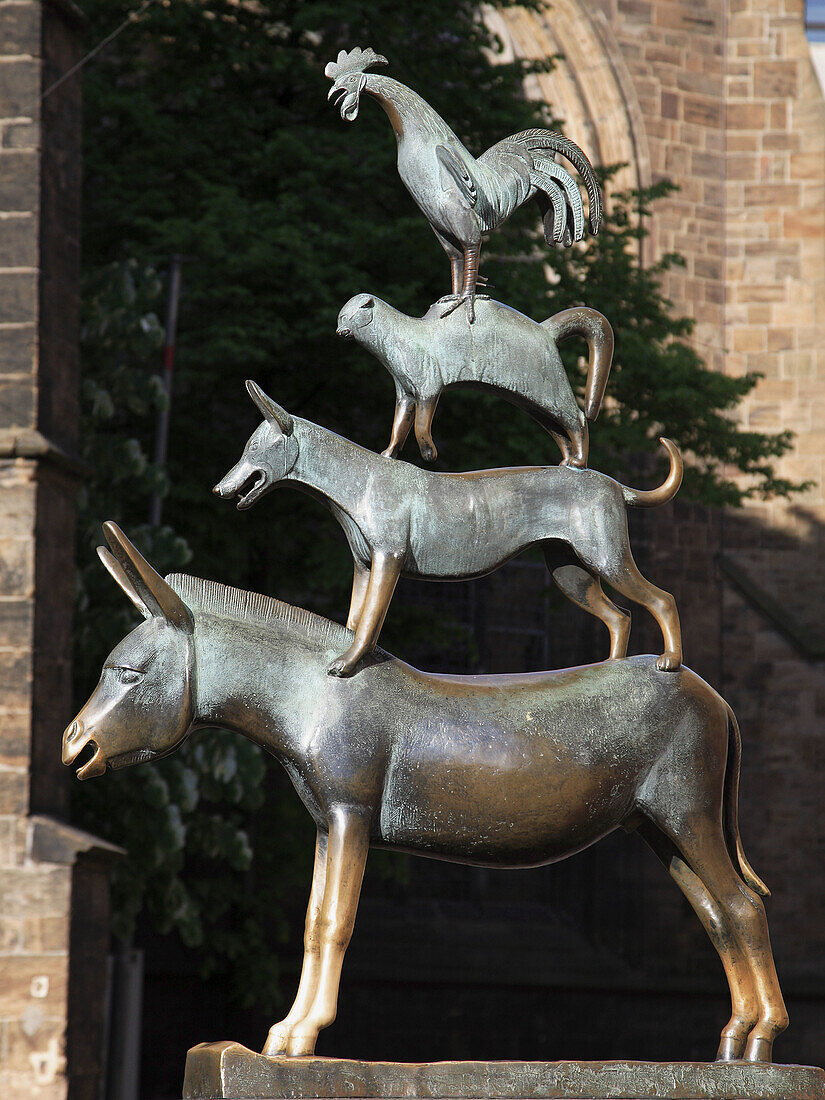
[269, 455]
[142, 708]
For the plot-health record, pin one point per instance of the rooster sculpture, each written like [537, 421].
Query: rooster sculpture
[462, 197]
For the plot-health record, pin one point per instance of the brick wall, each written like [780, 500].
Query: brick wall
[53, 892]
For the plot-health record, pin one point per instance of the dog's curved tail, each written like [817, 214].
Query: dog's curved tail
[649, 498]
[595, 328]
[731, 808]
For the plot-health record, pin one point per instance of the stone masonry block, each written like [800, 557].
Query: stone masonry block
[745, 116]
[21, 135]
[18, 347]
[19, 29]
[16, 567]
[17, 402]
[18, 291]
[15, 679]
[41, 889]
[19, 88]
[18, 178]
[775, 79]
[15, 738]
[18, 246]
[14, 791]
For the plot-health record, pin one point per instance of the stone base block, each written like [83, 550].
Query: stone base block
[228, 1071]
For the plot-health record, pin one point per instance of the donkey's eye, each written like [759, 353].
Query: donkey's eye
[129, 676]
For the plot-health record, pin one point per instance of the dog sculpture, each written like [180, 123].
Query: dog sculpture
[503, 351]
[501, 771]
[401, 520]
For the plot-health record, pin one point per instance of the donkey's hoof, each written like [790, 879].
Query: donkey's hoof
[669, 661]
[301, 1046]
[759, 1049]
[276, 1042]
[731, 1049]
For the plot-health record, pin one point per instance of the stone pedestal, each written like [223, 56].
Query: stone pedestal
[218, 1071]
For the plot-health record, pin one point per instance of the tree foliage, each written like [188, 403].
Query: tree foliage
[208, 134]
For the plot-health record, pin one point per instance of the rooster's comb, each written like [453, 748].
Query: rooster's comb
[356, 61]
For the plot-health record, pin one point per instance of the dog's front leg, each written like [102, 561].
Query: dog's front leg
[360, 582]
[384, 574]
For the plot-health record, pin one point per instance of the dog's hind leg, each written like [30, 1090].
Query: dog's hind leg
[627, 580]
[585, 590]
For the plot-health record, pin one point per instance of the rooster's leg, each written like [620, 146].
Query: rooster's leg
[468, 289]
[456, 272]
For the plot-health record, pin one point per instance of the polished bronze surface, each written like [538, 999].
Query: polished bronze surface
[504, 351]
[400, 520]
[462, 197]
[499, 771]
[222, 1070]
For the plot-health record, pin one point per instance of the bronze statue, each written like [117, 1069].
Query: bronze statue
[499, 771]
[504, 351]
[402, 520]
[461, 197]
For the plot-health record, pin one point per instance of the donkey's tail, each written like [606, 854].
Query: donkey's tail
[595, 328]
[649, 498]
[731, 807]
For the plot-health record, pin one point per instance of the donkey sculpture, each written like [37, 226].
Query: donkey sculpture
[402, 520]
[498, 771]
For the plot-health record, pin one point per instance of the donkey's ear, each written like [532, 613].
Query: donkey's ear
[269, 408]
[160, 599]
[115, 570]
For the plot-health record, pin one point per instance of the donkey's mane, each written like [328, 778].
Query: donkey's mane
[213, 598]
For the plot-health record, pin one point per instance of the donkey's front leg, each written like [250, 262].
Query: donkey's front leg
[346, 857]
[384, 574]
[279, 1034]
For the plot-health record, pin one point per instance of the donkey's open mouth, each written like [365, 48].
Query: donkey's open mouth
[74, 743]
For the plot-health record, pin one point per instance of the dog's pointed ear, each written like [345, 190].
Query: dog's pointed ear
[158, 596]
[269, 408]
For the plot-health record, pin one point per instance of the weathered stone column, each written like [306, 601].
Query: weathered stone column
[53, 887]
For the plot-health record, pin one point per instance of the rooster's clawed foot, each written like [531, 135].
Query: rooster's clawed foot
[455, 300]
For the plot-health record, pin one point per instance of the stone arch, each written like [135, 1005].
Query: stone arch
[589, 90]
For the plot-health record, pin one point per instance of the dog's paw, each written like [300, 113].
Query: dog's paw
[668, 662]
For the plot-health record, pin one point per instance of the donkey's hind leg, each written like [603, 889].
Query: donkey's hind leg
[694, 828]
[744, 1004]
[584, 589]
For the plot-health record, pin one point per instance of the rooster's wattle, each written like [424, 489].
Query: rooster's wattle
[462, 197]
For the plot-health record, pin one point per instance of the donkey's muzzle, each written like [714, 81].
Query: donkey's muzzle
[75, 739]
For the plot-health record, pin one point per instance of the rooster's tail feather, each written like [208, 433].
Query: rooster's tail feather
[538, 141]
[563, 192]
